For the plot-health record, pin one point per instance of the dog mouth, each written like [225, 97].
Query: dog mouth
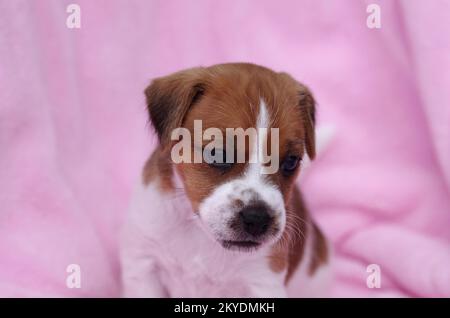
[240, 245]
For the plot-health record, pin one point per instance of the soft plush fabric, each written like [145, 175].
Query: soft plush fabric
[74, 131]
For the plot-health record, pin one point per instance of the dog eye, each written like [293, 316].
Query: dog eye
[290, 164]
[218, 159]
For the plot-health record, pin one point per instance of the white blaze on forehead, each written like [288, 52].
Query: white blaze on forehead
[263, 116]
[257, 150]
[255, 178]
[262, 127]
[260, 162]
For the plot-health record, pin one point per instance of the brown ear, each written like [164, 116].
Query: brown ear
[169, 98]
[308, 107]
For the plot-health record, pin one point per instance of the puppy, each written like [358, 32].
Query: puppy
[225, 228]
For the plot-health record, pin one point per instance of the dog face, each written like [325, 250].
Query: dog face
[242, 207]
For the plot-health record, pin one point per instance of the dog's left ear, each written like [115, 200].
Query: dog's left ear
[308, 109]
[170, 97]
[307, 106]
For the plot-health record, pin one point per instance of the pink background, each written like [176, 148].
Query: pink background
[74, 133]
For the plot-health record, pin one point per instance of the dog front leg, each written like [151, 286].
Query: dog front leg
[140, 276]
[140, 279]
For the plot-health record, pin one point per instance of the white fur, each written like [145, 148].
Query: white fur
[166, 253]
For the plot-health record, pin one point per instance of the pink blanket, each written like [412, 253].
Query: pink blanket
[73, 131]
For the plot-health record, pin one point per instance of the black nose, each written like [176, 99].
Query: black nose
[255, 220]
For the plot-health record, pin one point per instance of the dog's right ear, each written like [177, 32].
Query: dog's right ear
[170, 97]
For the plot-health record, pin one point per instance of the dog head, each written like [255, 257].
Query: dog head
[240, 198]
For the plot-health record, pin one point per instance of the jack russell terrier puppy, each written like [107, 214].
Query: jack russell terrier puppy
[225, 228]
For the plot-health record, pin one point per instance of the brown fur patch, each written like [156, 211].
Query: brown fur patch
[319, 250]
[159, 167]
[288, 253]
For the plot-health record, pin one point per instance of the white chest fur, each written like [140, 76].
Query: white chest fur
[165, 252]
